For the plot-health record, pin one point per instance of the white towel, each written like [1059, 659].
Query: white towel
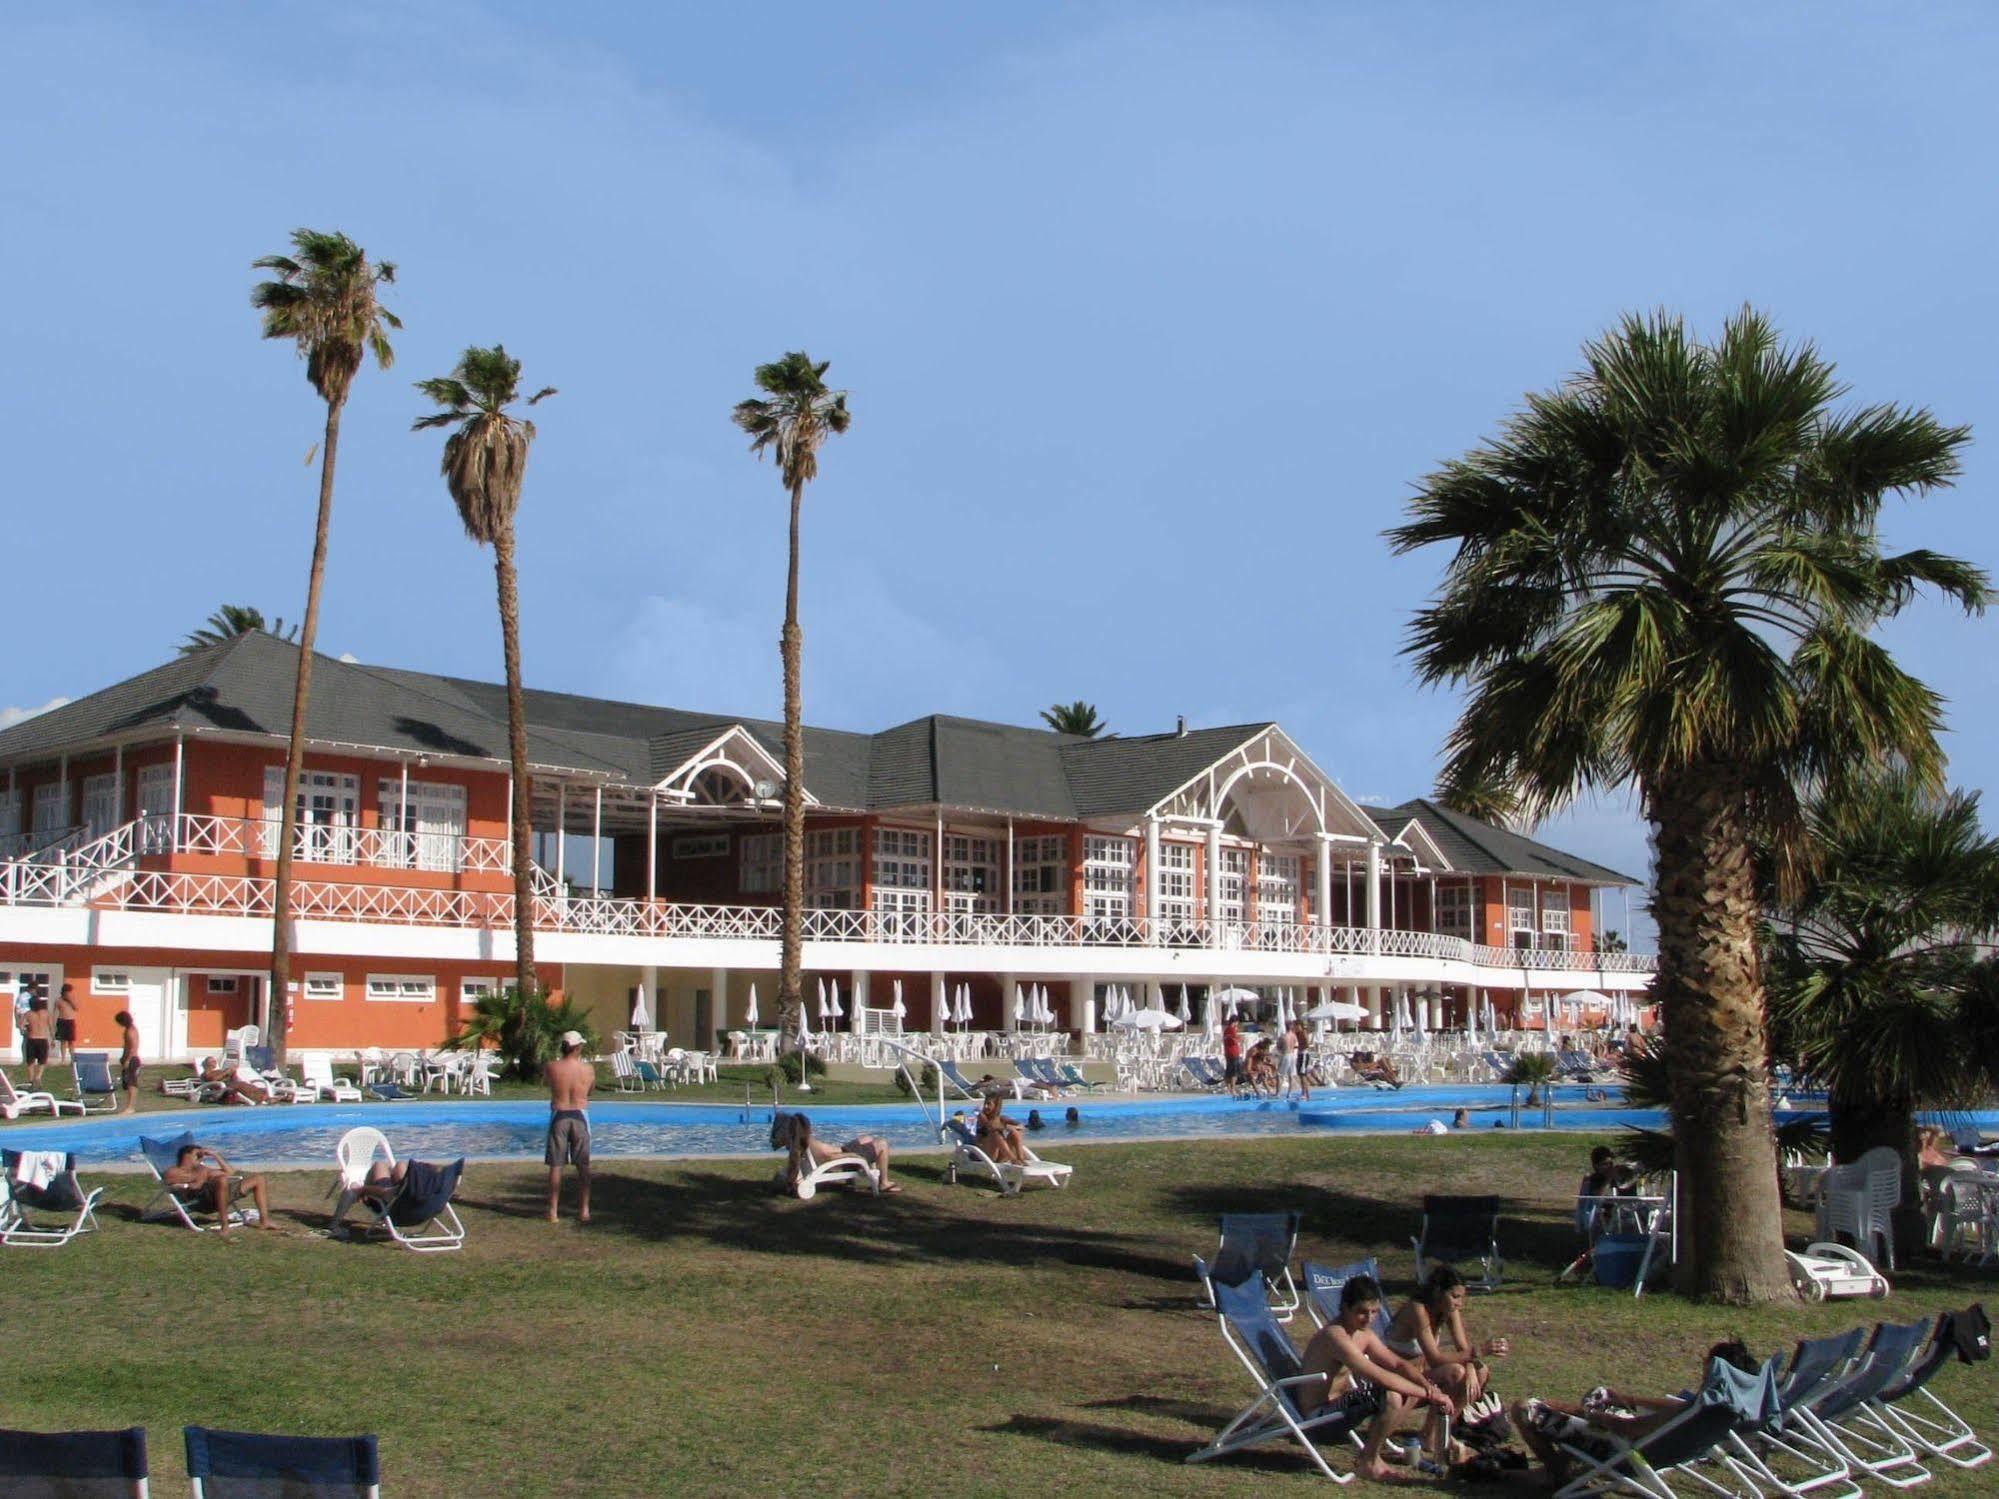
[38, 1168]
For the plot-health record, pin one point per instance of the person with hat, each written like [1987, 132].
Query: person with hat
[570, 1078]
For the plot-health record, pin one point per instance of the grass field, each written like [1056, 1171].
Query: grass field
[705, 1336]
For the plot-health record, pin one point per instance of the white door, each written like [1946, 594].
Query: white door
[151, 1004]
[100, 804]
[46, 982]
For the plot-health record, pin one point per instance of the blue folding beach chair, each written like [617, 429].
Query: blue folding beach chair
[96, 1088]
[1834, 1419]
[1324, 1285]
[1783, 1452]
[61, 1195]
[1259, 1244]
[1072, 1076]
[1933, 1427]
[1253, 1334]
[1728, 1398]
[242, 1465]
[73, 1464]
[1461, 1228]
[420, 1216]
[958, 1080]
[161, 1156]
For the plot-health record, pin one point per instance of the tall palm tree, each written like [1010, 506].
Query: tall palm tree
[1873, 967]
[1665, 571]
[485, 461]
[1487, 800]
[324, 300]
[790, 421]
[230, 621]
[1078, 717]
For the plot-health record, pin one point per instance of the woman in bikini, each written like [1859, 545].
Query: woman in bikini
[804, 1153]
[998, 1136]
[1419, 1332]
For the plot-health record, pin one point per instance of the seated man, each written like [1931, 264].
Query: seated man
[237, 1084]
[201, 1178]
[1363, 1374]
[804, 1154]
[1546, 1425]
[1607, 1178]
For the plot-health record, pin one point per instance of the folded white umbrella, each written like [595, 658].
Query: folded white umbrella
[822, 1001]
[1235, 996]
[833, 1000]
[750, 1015]
[1019, 1003]
[1184, 1010]
[901, 1010]
[640, 1020]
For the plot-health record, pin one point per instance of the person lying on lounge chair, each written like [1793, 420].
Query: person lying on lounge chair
[997, 1135]
[1545, 1425]
[1364, 1374]
[200, 1177]
[1429, 1330]
[805, 1154]
[238, 1084]
[1376, 1070]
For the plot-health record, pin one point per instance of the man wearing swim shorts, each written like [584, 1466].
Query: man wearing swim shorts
[128, 1060]
[570, 1078]
[66, 1025]
[35, 1039]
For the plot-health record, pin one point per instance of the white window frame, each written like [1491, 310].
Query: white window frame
[316, 984]
[472, 989]
[51, 806]
[902, 870]
[1110, 876]
[434, 838]
[1230, 881]
[10, 813]
[1278, 880]
[111, 981]
[223, 983]
[1457, 911]
[98, 808]
[1041, 875]
[401, 988]
[760, 866]
[832, 868]
[972, 872]
[329, 810]
[156, 807]
[1174, 899]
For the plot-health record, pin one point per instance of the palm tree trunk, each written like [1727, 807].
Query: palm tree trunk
[517, 755]
[308, 631]
[1711, 988]
[790, 988]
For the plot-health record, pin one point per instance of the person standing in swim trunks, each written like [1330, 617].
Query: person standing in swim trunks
[570, 1078]
[128, 1060]
[66, 1025]
[35, 1039]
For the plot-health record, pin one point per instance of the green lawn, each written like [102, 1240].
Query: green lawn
[705, 1336]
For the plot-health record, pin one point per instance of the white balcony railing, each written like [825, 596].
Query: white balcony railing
[103, 874]
[324, 843]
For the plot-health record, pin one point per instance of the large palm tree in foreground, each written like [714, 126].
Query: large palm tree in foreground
[1875, 981]
[323, 299]
[790, 421]
[485, 461]
[1666, 571]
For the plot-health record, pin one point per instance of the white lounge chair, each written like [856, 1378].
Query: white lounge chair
[317, 1074]
[14, 1103]
[842, 1170]
[1009, 1177]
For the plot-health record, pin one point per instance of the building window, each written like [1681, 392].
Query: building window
[222, 983]
[833, 869]
[1041, 876]
[1108, 874]
[1555, 928]
[1277, 888]
[51, 806]
[1520, 917]
[431, 821]
[404, 987]
[1173, 901]
[110, 981]
[10, 814]
[1457, 911]
[762, 864]
[470, 991]
[1229, 882]
[329, 808]
[100, 805]
[971, 873]
[156, 808]
[323, 986]
[902, 870]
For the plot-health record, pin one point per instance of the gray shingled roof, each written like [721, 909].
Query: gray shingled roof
[1129, 775]
[1476, 847]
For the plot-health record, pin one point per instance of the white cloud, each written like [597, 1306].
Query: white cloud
[11, 716]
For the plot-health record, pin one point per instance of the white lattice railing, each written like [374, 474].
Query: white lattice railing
[43, 846]
[319, 843]
[102, 873]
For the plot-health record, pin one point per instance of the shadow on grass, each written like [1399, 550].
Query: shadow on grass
[1273, 1458]
[926, 1226]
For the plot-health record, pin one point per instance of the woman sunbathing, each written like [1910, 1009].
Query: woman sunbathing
[1418, 1333]
[806, 1154]
[998, 1136]
[1364, 1375]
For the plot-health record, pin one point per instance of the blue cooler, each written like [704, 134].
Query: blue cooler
[1617, 1258]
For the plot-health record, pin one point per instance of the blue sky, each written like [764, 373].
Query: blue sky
[1151, 315]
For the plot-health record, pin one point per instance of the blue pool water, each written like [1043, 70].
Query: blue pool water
[306, 1135]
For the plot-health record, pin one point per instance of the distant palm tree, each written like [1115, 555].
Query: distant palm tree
[230, 621]
[1078, 718]
[484, 463]
[1488, 800]
[793, 417]
[1665, 572]
[324, 301]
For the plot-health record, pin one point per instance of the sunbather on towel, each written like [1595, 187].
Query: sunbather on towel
[998, 1136]
[1364, 1374]
[805, 1153]
[1601, 1415]
[238, 1084]
[201, 1177]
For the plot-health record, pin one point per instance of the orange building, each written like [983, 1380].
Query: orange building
[138, 832]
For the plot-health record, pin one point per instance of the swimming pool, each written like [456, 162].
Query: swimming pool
[283, 1136]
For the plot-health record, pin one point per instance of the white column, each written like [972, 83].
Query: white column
[649, 987]
[597, 842]
[1083, 1003]
[1152, 876]
[1322, 882]
[117, 784]
[62, 780]
[1155, 994]
[403, 810]
[561, 834]
[1374, 909]
[1373, 992]
[718, 989]
[1437, 1011]
[652, 845]
[1009, 983]
[858, 982]
[510, 828]
[937, 996]
[1214, 911]
[180, 768]
[1006, 893]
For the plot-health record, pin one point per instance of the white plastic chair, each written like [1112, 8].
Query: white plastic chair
[1860, 1200]
[358, 1150]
